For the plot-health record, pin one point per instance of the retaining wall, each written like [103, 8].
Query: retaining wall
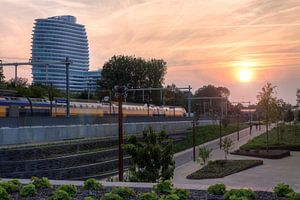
[37, 134]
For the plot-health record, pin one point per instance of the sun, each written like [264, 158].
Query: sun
[245, 75]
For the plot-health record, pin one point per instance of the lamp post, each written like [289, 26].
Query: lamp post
[120, 94]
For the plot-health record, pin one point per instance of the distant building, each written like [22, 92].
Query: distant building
[54, 39]
[92, 78]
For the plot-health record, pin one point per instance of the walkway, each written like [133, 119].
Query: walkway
[263, 177]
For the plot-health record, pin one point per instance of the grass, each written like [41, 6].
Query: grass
[288, 138]
[222, 168]
[205, 134]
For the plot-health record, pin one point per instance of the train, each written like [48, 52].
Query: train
[25, 106]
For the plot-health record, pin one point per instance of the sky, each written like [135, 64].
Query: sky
[203, 42]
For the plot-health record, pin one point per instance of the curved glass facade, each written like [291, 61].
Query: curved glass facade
[54, 39]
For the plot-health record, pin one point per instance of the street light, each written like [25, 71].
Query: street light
[120, 94]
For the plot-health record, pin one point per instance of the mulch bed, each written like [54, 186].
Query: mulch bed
[222, 168]
[262, 153]
[194, 195]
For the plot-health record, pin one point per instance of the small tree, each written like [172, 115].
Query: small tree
[204, 155]
[152, 158]
[266, 102]
[226, 146]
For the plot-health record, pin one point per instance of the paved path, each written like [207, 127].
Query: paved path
[262, 177]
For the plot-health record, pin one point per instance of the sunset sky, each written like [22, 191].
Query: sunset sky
[203, 41]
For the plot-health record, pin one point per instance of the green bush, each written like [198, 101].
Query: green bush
[239, 194]
[60, 195]
[169, 197]
[28, 191]
[148, 196]
[181, 193]
[89, 198]
[123, 192]
[40, 182]
[293, 196]
[217, 189]
[281, 190]
[10, 186]
[70, 189]
[234, 197]
[163, 187]
[92, 184]
[111, 196]
[3, 194]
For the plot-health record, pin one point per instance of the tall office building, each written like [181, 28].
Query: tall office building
[54, 39]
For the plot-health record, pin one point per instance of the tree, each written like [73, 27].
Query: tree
[289, 116]
[2, 77]
[203, 155]
[226, 146]
[134, 72]
[152, 158]
[174, 96]
[214, 106]
[266, 102]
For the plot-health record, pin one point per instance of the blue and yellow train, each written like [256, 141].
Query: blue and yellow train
[22, 106]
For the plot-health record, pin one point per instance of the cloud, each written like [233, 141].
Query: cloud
[198, 39]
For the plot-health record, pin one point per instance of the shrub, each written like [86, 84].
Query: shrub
[148, 196]
[123, 192]
[281, 190]
[157, 150]
[92, 184]
[163, 187]
[89, 198]
[70, 189]
[239, 194]
[217, 189]
[226, 146]
[169, 197]
[203, 155]
[111, 196]
[181, 193]
[293, 196]
[40, 182]
[10, 187]
[28, 191]
[60, 195]
[3, 194]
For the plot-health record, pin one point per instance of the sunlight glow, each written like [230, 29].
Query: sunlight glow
[245, 75]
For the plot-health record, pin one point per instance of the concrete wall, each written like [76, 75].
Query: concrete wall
[36, 134]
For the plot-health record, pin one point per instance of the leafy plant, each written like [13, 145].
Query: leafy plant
[239, 194]
[282, 189]
[169, 197]
[92, 184]
[40, 182]
[152, 158]
[226, 146]
[163, 187]
[3, 194]
[28, 191]
[123, 192]
[181, 193]
[203, 155]
[70, 189]
[148, 196]
[11, 186]
[60, 195]
[217, 189]
[111, 196]
[89, 198]
[293, 196]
